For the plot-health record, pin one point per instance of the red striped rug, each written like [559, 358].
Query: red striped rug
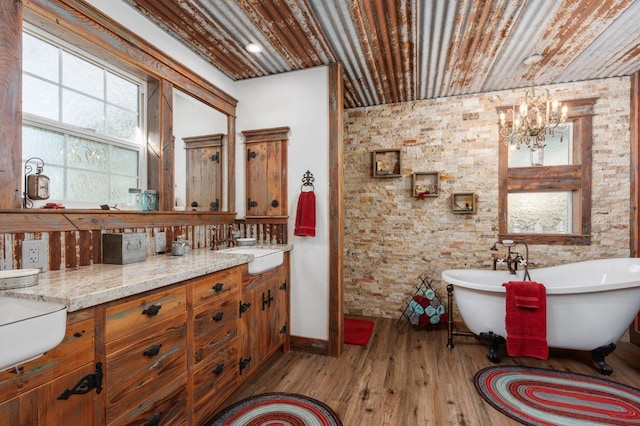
[536, 396]
[277, 409]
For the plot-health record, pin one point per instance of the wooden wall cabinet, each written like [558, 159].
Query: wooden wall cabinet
[204, 172]
[266, 171]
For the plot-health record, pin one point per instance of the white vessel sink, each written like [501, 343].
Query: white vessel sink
[263, 258]
[28, 329]
[18, 278]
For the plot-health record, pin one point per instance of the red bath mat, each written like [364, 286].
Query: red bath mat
[357, 331]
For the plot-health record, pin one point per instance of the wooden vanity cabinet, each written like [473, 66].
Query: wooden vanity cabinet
[146, 358]
[170, 356]
[34, 393]
[264, 326]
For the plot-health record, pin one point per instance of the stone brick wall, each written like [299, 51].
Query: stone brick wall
[392, 237]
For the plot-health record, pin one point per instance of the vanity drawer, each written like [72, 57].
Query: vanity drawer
[215, 285]
[214, 382]
[167, 406]
[141, 311]
[142, 364]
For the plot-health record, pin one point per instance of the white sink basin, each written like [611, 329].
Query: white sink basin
[263, 258]
[18, 278]
[28, 329]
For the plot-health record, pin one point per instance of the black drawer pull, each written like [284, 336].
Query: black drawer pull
[152, 310]
[218, 370]
[217, 287]
[152, 351]
[217, 317]
[154, 420]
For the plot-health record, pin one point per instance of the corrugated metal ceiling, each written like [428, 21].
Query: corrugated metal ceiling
[401, 50]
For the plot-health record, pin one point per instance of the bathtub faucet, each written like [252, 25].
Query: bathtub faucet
[513, 258]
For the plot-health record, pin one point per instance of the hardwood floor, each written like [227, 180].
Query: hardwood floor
[410, 377]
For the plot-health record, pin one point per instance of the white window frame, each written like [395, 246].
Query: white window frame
[58, 126]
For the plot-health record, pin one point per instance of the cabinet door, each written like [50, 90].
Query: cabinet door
[251, 328]
[266, 172]
[204, 179]
[41, 406]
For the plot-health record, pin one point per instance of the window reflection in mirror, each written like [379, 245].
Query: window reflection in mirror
[540, 212]
[193, 118]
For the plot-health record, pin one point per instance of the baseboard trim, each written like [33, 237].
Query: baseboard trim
[313, 346]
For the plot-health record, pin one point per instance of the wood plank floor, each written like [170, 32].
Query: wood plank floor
[410, 377]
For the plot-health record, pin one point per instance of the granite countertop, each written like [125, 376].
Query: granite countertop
[88, 286]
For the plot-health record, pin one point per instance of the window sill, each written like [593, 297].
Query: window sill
[549, 239]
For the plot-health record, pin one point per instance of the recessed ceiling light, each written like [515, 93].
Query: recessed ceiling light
[253, 48]
[533, 59]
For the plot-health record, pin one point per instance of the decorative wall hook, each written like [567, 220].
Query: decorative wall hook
[307, 180]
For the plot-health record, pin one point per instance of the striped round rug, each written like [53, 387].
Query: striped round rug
[277, 409]
[536, 396]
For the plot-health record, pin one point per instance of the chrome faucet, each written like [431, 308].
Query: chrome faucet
[513, 258]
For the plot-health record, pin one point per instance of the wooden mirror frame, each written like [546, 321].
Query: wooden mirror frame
[89, 29]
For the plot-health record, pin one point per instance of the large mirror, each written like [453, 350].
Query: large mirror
[201, 160]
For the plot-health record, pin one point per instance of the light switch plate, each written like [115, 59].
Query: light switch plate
[161, 242]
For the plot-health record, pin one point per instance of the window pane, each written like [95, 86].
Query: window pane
[39, 58]
[46, 144]
[120, 189]
[85, 185]
[539, 212]
[40, 98]
[82, 75]
[82, 111]
[557, 151]
[56, 181]
[86, 154]
[122, 92]
[124, 162]
[121, 123]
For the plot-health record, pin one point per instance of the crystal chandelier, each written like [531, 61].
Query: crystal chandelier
[536, 116]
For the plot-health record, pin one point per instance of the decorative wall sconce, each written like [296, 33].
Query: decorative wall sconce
[36, 186]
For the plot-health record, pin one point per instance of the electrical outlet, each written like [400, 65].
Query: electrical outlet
[161, 242]
[34, 254]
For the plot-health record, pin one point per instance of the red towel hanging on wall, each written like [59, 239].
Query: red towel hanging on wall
[306, 215]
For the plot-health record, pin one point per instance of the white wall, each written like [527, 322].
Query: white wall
[300, 101]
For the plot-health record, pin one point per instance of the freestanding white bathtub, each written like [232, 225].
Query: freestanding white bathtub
[589, 304]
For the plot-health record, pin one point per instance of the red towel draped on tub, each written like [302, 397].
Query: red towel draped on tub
[526, 319]
[306, 215]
